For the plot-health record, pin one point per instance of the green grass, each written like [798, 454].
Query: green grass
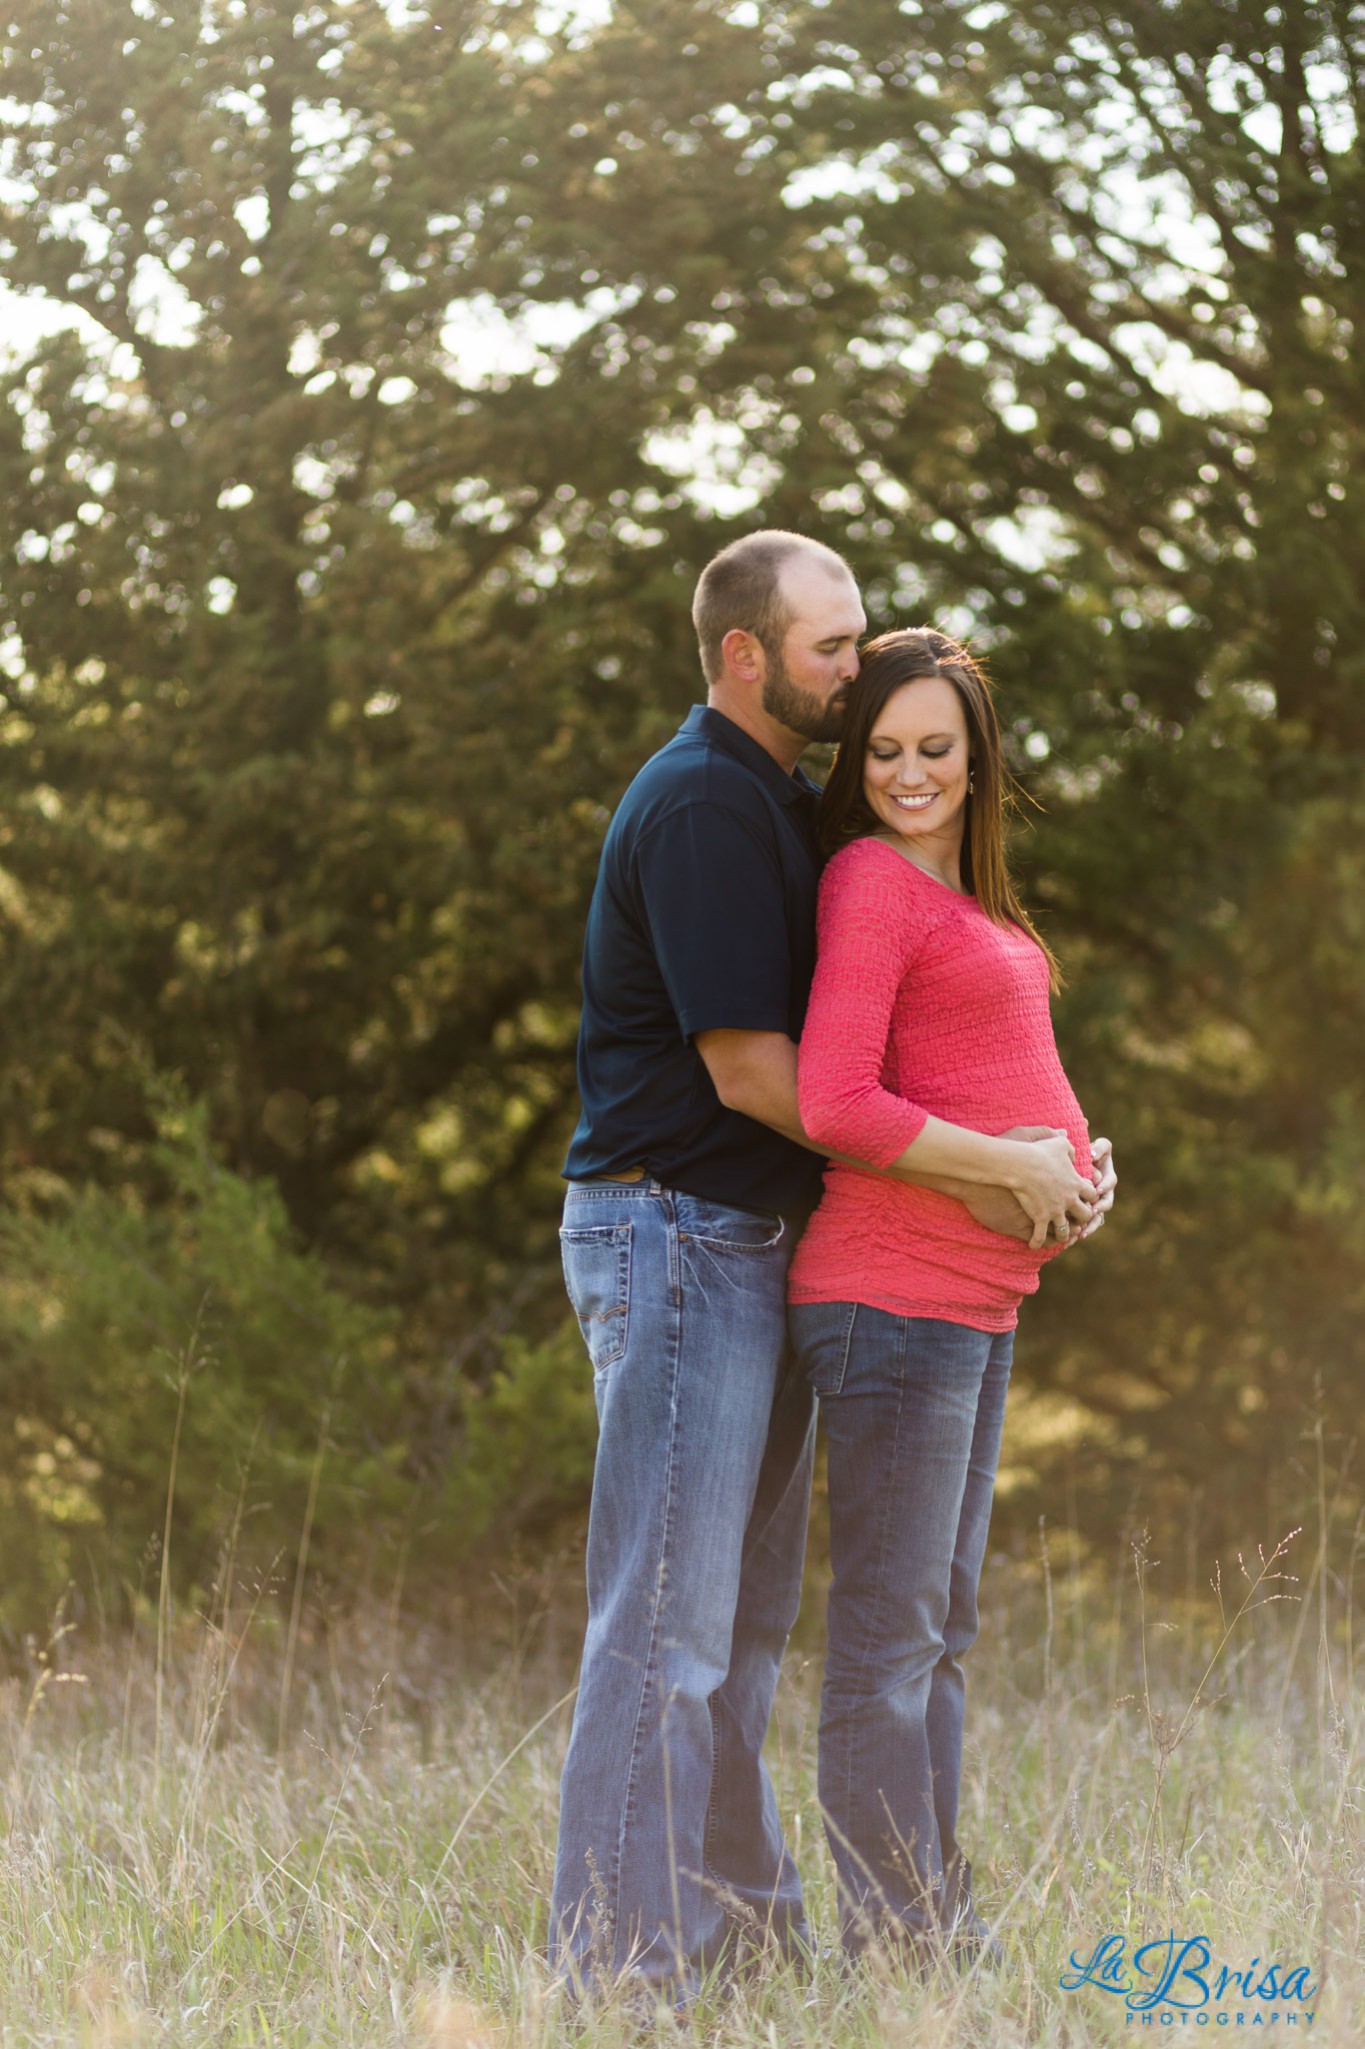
[171, 1875]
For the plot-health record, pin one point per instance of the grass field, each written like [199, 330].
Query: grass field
[175, 1873]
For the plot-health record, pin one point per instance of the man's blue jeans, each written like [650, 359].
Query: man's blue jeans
[669, 1838]
[913, 1411]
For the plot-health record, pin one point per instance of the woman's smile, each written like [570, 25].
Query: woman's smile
[916, 772]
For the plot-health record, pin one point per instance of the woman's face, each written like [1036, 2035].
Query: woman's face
[916, 768]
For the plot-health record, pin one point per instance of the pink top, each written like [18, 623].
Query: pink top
[921, 1005]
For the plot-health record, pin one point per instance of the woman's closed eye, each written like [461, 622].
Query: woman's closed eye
[929, 753]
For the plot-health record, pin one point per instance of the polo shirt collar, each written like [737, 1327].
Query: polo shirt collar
[713, 726]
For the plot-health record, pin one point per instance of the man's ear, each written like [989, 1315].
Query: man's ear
[742, 654]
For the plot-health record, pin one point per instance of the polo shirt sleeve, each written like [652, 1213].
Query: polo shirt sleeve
[711, 887]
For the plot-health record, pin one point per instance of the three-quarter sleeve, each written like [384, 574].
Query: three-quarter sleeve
[869, 926]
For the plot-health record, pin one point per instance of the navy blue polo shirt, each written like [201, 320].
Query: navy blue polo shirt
[703, 918]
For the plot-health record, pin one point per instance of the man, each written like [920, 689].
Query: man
[690, 1177]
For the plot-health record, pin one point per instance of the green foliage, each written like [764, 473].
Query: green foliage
[111, 1312]
[528, 1442]
[1138, 232]
[414, 362]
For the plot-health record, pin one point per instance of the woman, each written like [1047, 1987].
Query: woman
[928, 1030]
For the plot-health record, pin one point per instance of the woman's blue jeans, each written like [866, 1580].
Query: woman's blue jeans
[913, 1411]
[669, 1838]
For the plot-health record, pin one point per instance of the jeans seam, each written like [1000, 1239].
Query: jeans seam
[720, 1245]
[613, 1904]
[712, 1829]
[726, 1246]
[650, 1672]
[848, 1346]
[883, 1541]
[712, 1811]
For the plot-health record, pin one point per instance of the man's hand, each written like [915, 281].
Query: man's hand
[999, 1209]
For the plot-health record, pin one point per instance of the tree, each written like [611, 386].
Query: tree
[330, 631]
[1119, 253]
[346, 543]
[333, 630]
[182, 1374]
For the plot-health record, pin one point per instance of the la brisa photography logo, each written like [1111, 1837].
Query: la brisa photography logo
[1176, 1982]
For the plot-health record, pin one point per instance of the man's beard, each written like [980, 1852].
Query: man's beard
[801, 711]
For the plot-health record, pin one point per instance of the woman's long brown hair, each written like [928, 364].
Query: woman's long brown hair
[889, 662]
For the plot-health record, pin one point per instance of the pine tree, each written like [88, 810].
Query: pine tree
[345, 564]
[1120, 256]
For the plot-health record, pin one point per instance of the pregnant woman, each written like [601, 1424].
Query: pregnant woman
[928, 1033]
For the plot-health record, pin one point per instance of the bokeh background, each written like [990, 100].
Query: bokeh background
[376, 379]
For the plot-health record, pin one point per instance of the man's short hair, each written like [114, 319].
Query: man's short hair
[742, 587]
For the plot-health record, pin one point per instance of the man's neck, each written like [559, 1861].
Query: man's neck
[785, 747]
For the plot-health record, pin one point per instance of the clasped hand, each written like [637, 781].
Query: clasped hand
[1056, 1197]
[1003, 1210]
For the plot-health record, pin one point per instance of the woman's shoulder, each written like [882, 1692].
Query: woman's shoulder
[866, 855]
[872, 865]
[867, 886]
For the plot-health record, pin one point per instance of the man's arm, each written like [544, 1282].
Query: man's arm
[755, 1073]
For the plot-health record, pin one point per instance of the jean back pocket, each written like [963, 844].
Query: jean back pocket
[597, 1276]
[822, 1335]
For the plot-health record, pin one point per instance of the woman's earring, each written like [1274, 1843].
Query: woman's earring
[971, 781]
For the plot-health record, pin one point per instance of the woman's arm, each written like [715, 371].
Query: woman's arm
[1040, 1173]
[755, 1073]
[869, 932]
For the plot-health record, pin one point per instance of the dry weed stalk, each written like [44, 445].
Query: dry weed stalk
[1167, 1734]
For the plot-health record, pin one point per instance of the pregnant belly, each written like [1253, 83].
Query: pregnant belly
[912, 1250]
[1065, 1116]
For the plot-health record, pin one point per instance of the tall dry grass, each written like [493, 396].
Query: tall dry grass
[239, 1829]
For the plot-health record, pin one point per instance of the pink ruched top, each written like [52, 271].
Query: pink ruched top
[921, 1006]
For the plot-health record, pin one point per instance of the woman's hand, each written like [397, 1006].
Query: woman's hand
[1106, 1181]
[1102, 1173]
[1042, 1173]
[1031, 1174]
